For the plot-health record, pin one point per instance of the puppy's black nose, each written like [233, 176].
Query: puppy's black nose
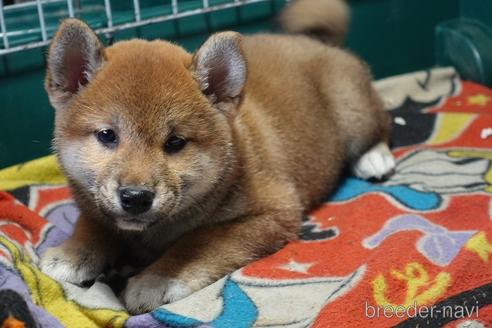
[136, 199]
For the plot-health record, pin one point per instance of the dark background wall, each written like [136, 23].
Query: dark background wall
[477, 9]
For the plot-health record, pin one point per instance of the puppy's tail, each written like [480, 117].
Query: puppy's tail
[326, 20]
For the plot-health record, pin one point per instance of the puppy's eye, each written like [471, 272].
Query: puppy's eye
[174, 144]
[107, 137]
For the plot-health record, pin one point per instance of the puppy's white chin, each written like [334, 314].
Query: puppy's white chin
[131, 225]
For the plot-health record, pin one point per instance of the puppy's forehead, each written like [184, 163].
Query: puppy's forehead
[143, 79]
[153, 67]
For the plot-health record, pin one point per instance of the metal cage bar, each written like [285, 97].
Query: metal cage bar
[178, 15]
[71, 13]
[29, 4]
[109, 15]
[3, 28]
[174, 4]
[136, 8]
[110, 27]
[42, 23]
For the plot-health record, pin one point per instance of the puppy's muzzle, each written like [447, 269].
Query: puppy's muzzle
[136, 199]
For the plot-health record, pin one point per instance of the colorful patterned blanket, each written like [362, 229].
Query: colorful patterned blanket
[414, 251]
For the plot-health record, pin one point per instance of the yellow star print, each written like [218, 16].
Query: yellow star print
[479, 244]
[478, 99]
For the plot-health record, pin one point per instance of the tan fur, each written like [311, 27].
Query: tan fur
[326, 20]
[255, 161]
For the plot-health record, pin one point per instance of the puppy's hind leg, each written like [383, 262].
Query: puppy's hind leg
[369, 155]
[377, 163]
[359, 115]
[366, 127]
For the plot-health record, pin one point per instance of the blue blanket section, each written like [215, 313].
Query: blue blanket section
[238, 309]
[410, 198]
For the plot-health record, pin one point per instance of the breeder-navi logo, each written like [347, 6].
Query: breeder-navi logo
[414, 311]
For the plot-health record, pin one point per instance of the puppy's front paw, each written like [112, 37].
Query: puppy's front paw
[74, 265]
[145, 292]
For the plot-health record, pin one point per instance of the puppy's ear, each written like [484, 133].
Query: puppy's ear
[220, 68]
[74, 56]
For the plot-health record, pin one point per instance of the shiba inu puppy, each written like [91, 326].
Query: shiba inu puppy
[193, 165]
